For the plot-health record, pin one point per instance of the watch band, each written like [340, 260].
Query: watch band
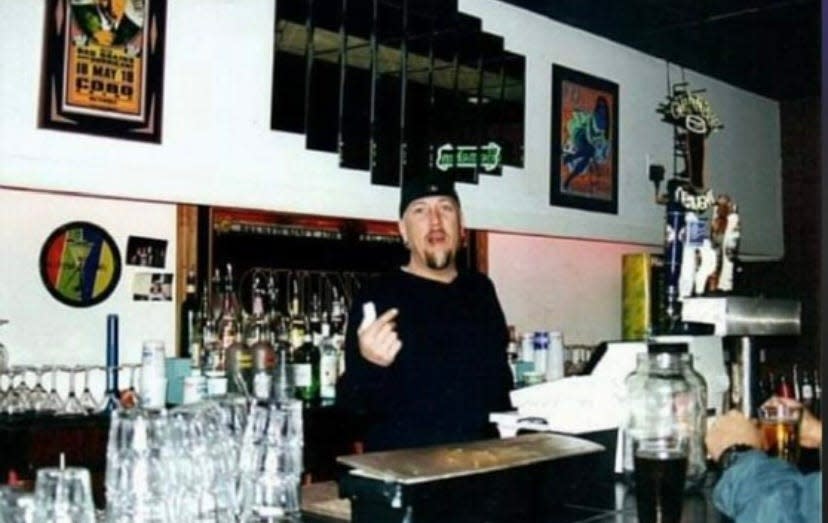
[729, 456]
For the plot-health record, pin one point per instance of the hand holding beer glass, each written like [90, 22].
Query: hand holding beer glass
[779, 425]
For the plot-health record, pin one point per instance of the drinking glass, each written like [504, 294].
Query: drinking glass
[38, 394]
[4, 355]
[16, 505]
[138, 472]
[53, 402]
[64, 494]
[779, 425]
[72, 405]
[203, 447]
[87, 400]
[5, 387]
[17, 396]
[270, 463]
[112, 399]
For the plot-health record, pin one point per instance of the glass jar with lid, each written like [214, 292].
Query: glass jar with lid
[662, 410]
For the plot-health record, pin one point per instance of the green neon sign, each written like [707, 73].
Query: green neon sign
[466, 156]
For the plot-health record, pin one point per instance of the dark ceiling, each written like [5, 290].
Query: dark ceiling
[770, 47]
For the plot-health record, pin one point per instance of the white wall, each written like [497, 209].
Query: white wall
[42, 330]
[572, 286]
[217, 146]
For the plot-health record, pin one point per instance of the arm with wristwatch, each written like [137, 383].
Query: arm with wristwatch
[756, 488]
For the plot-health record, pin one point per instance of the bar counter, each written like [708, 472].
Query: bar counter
[607, 502]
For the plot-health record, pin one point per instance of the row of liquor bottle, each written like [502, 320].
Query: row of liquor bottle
[796, 382]
[265, 350]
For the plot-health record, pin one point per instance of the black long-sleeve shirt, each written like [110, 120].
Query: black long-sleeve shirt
[451, 372]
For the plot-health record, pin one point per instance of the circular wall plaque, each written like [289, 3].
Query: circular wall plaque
[80, 264]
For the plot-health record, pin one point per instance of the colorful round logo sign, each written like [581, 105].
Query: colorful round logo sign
[80, 264]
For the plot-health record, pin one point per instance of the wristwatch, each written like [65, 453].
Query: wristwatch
[729, 456]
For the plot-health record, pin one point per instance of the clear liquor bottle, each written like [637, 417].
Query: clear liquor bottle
[230, 322]
[282, 387]
[315, 316]
[239, 367]
[216, 295]
[338, 314]
[211, 357]
[297, 317]
[274, 314]
[259, 336]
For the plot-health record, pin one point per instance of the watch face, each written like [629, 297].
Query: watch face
[80, 264]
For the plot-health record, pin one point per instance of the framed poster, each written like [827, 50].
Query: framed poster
[80, 264]
[584, 155]
[103, 67]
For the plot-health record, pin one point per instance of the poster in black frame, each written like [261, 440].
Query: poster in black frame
[584, 145]
[103, 69]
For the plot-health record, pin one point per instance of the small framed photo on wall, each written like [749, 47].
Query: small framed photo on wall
[584, 148]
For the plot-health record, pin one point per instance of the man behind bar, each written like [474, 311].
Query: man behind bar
[425, 348]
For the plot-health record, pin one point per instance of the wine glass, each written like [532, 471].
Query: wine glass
[87, 401]
[38, 394]
[53, 402]
[112, 399]
[5, 387]
[17, 396]
[72, 405]
[4, 356]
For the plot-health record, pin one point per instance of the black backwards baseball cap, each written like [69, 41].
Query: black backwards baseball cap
[415, 187]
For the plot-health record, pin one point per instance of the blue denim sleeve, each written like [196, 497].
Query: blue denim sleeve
[759, 489]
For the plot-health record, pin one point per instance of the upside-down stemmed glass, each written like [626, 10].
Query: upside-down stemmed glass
[72, 405]
[5, 388]
[87, 400]
[38, 394]
[112, 398]
[53, 403]
[17, 396]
